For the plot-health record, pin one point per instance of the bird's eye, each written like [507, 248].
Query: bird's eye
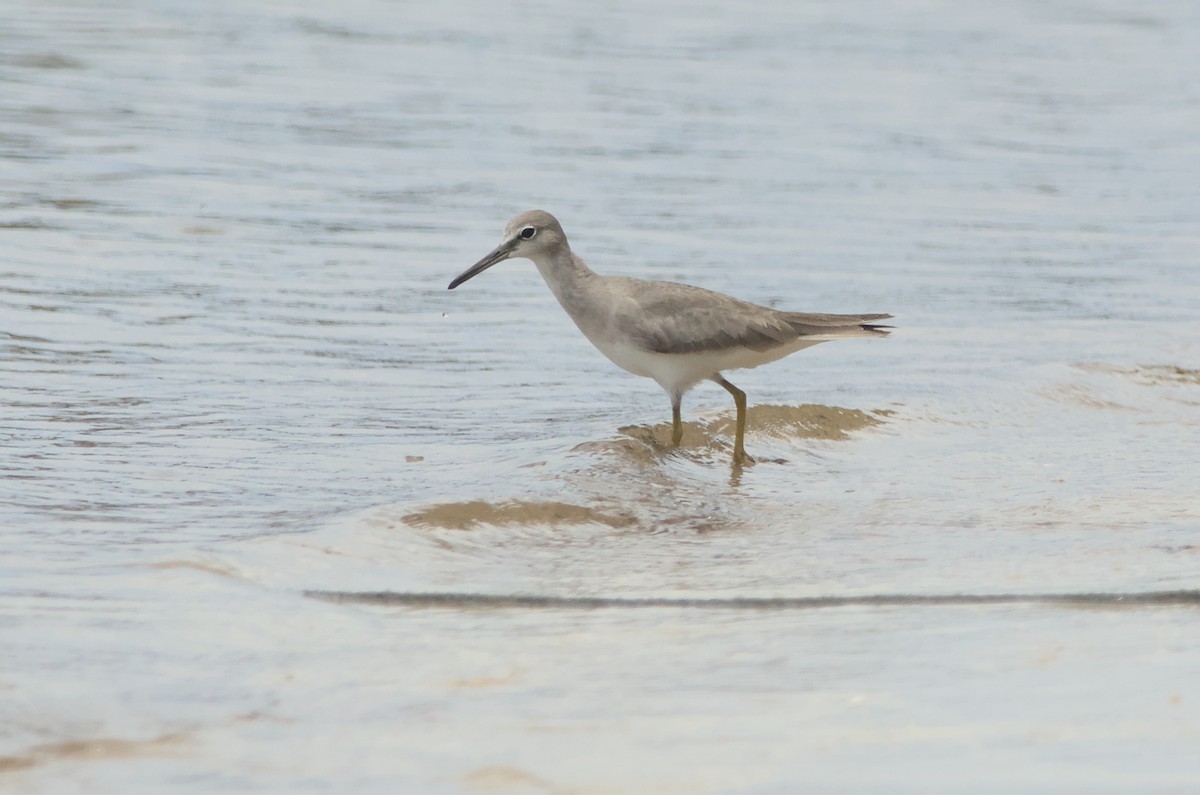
[528, 232]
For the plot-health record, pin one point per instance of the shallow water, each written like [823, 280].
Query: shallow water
[279, 513]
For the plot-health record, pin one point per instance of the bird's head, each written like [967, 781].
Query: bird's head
[531, 235]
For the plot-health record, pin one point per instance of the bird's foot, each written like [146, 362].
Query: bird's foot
[743, 458]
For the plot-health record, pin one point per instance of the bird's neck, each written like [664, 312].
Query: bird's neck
[566, 275]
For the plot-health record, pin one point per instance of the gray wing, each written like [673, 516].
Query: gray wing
[664, 317]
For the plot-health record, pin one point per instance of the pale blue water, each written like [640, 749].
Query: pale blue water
[231, 370]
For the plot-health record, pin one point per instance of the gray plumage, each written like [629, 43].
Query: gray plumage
[676, 334]
[668, 317]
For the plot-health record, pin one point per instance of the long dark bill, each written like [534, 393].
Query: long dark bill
[499, 254]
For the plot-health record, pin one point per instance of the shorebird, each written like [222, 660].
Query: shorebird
[677, 334]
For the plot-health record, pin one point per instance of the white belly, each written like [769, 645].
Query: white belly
[679, 372]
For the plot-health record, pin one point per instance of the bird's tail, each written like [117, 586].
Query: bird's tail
[831, 327]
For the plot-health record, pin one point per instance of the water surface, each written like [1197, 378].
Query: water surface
[279, 513]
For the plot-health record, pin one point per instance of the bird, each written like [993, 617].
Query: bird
[676, 334]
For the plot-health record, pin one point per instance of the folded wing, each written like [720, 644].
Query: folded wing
[664, 317]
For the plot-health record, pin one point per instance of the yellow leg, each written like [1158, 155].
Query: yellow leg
[739, 442]
[676, 422]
